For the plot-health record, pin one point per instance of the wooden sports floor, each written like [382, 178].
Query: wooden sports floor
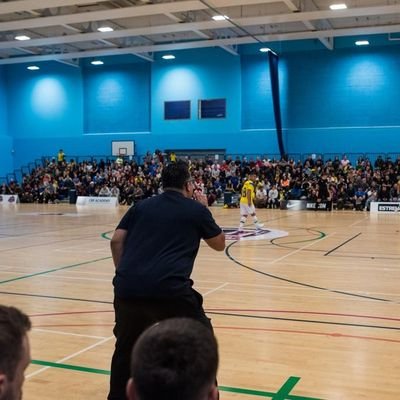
[308, 309]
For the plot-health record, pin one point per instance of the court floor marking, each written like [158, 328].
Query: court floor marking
[55, 269]
[359, 221]
[301, 248]
[283, 392]
[305, 285]
[70, 356]
[266, 310]
[215, 289]
[67, 333]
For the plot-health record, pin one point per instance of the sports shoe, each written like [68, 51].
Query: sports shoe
[259, 226]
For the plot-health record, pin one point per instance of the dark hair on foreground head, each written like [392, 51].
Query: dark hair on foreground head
[175, 175]
[176, 359]
[14, 325]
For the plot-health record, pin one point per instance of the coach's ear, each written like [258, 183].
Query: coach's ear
[131, 390]
[3, 385]
[213, 393]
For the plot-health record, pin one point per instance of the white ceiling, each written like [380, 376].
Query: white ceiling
[66, 30]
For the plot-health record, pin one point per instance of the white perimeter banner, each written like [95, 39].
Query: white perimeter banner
[9, 199]
[388, 207]
[97, 201]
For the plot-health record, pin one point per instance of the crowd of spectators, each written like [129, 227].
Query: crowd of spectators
[334, 181]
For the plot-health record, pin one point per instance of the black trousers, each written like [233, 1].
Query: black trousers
[132, 317]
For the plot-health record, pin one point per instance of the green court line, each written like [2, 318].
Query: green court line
[249, 392]
[283, 391]
[70, 367]
[53, 270]
[104, 235]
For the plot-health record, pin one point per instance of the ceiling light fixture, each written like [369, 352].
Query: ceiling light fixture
[105, 29]
[22, 37]
[168, 57]
[339, 6]
[33, 68]
[97, 62]
[220, 17]
[362, 43]
[265, 49]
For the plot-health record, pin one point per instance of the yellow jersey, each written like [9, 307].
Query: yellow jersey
[248, 185]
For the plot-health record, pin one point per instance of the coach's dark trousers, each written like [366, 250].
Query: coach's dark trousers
[132, 317]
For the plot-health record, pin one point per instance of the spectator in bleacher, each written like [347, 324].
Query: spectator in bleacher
[273, 195]
[384, 194]
[394, 192]
[344, 162]
[295, 193]
[4, 189]
[261, 198]
[360, 198]
[60, 157]
[372, 195]
[105, 191]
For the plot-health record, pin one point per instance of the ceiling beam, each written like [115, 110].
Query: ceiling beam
[149, 10]
[206, 43]
[102, 15]
[192, 26]
[28, 5]
[192, 5]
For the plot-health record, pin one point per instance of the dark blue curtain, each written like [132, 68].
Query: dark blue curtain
[274, 74]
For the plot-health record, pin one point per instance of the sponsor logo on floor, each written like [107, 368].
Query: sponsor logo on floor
[253, 234]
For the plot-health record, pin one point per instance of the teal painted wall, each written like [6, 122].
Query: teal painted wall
[344, 100]
[6, 143]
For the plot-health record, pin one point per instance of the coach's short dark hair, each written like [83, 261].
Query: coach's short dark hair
[174, 175]
[14, 325]
[176, 359]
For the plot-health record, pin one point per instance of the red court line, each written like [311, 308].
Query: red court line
[333, 334]
[304, 312]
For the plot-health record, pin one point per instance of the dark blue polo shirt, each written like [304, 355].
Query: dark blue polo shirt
[163, 239]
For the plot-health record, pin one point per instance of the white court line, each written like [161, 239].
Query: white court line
[76, 278]
[74, 249]
[69, 357]
[67, 333]
[217, 288]
[360, 220]
[300, 249]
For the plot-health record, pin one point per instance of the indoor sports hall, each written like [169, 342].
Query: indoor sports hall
[97, 96]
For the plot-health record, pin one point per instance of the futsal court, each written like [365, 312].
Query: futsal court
[307, 309]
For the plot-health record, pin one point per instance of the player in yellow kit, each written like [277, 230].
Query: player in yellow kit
[247, 202]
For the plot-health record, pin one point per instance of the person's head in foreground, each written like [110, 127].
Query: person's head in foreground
[175, 359]
[14, 352]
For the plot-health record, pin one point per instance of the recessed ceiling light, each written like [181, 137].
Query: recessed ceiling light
[362, 43]
[33, 68]
[220, 17]
[22, 37]
[265, 49]
[97, 62]
[105, 29]
[168, 57]
[339, 6]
